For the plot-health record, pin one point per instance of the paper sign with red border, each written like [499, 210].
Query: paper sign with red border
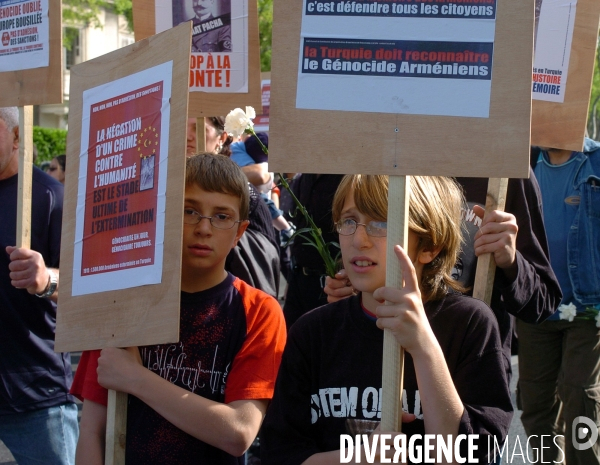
[24, 34]
[219, 61]
[119, 233]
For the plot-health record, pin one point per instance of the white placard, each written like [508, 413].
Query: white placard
[24, 34]
[554, 24]
[427, 58]
[219, 61]
[120, 216]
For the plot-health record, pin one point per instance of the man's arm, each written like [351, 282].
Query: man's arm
[533, 294]
[92, 434]
[230, 427]
[258, 173]
[28, 271]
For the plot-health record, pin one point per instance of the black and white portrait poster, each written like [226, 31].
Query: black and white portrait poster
[219, 61]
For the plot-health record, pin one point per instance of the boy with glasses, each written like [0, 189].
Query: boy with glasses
[201, 400]
[330, 378]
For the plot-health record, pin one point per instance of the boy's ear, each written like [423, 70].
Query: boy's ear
[241, 228]
[425, 256]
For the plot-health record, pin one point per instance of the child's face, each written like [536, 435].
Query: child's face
[364, 256]
[205, 247]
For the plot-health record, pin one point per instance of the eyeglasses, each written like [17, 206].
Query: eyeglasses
[347, 227]
[219, 221]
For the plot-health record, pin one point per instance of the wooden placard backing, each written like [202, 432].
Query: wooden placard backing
[393, 353]
[38, 86]
[318, 141]
[486, 265]
[147, 314]
[563, 125]
[25, 180]
[211, 103]
[116, 428]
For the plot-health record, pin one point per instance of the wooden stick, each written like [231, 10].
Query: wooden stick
[25, 174]
[393, 353]
[200, 135]
[116, 428]
[486, 266]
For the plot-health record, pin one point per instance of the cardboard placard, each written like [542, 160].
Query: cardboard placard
[224, 99]
[123, 215]
[563, 125]
[396, 142]
[31, 70]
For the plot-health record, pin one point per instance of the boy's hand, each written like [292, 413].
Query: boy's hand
[117, 368]
[405, 314]
[498, 235]
[338, 288]
[27, 269]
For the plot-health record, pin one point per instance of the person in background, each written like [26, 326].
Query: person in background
[305, 287]
[57, 168]
[250, 152]
[38, 416]
[559, 359]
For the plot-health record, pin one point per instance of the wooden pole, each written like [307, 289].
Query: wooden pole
[24, 177]
[200, 135]
[486, 266]
[393, 353]
[116, 428]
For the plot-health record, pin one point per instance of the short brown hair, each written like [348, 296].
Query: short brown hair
[218, 173]
[434, 215]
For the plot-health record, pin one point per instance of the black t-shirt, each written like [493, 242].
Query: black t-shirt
[33, 375]
[316, 193]
[329, 382]
[231, 338]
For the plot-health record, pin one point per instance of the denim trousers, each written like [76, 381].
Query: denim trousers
[559, 382]
[47, 436]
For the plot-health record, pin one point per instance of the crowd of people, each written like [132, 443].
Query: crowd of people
[300, 374]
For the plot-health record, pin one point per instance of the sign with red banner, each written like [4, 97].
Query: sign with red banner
[122, 180]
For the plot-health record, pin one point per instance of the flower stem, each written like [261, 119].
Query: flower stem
[315, 231]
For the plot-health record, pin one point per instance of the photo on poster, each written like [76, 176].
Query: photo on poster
[24, 34]
[397, 57]
[554, 25]
[219, 60]
[147, 173]
[120, 216]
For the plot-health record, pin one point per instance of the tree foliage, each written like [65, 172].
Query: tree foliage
[265, 26]
[86, 13]
[49, 143]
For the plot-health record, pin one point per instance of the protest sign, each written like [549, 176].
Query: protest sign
[121, 245]
[30, 52]
[261, 122]
[401, 88]
[566, 36]
[224, 65]
[439, 85]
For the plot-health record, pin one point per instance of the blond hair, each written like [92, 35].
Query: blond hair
[434, 216]
[218, 173]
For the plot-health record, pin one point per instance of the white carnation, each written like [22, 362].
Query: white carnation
[567, 312]
[237, 121]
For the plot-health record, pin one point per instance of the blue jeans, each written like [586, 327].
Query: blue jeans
[46, 436]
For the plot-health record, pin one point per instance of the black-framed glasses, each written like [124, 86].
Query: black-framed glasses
[219, 221]
[347, 227]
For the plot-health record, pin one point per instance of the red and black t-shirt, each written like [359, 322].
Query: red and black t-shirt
[231, 340]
